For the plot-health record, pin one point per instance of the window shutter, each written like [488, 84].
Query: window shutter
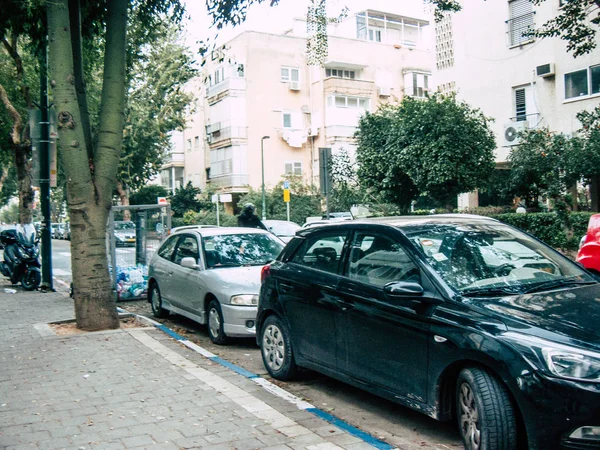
[520, 105]
[521, 20]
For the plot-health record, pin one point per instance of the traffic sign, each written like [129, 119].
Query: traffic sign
[215, 198]
[286, 195]
[225, 198]
[161, 200]
[286, 184]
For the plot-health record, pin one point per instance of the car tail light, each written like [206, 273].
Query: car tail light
[265, 272]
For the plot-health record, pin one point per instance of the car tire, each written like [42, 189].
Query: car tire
[276, 349]
[156, 302]
[215, 323]
[485, 413]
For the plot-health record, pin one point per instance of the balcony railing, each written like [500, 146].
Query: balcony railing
[229, 181]
[346, 131]
[174, 159]
[348, 86]
[227, 133]
[235, 83]
[532, 119]
[519, 29]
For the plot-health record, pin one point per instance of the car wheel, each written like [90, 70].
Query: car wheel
[156, 302]
[215, 323]
[486, 417]
[276, 349]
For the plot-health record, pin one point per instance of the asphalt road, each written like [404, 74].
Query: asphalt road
[399, 426]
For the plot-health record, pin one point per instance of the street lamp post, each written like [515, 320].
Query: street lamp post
[262, 163]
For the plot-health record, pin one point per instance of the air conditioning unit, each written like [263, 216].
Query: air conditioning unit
[511, 132]
[384, 91]
[305, 109]
[313, 131]
[545, 70]
[294, 85]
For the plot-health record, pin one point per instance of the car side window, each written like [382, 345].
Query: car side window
[322, 252]
[187, 248]
[166, 251]
[378, 260]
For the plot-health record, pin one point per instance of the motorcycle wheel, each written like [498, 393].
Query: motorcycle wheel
[31, 279]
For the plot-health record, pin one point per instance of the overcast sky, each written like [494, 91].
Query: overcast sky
[279, 18]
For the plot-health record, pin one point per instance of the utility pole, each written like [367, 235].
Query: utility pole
[47, 282]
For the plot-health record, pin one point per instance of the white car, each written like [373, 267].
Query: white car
[212, 276]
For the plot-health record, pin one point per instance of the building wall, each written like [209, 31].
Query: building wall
[486, 69]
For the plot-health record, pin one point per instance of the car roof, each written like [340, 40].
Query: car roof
[400, 221]
[217, 231]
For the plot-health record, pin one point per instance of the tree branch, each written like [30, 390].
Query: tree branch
[75, 21]
[112, 112]
[14, 114]
[11, 48]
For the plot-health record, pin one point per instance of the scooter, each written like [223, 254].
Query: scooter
[21, 258]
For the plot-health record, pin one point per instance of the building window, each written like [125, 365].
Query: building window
[197, 142]
[583, 82]
[520, 105]
[218, 76]
[240, 71]
[416, 84]
[221, 161]
[375, 34]
[287, 120]
[340, 73]
[520, 22]
[293, 168]
[342, 101]
[290, 74]
[189, 145]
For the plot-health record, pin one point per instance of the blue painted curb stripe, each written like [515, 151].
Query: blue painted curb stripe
[237, 369]
[366, 437]
[170, 332]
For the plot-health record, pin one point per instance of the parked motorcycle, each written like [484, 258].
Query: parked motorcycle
[21, 257]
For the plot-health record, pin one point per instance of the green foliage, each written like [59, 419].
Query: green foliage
[10, 213]
[148, 195]
[305, 201]
[437, 146]
[558, 232]
[206, 217]
[185, 199]
[345, 190]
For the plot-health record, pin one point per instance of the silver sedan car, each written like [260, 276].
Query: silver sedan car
[212, 276]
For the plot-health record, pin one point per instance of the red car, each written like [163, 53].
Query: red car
[589, 248]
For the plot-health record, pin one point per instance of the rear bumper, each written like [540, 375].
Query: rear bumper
[236, 320]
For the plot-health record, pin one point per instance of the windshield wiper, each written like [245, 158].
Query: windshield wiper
[489, 291]
[552, 284]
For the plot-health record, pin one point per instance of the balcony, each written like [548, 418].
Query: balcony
[360, 88]
[340, 131]
[218, 135]
[174, 160]
[231, 182]
[233, 83]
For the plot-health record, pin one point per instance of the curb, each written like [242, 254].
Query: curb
[270, 387]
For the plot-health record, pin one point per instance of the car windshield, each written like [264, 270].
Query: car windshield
[282, 228]
[235, 250]
[124, 226]
[492, 259]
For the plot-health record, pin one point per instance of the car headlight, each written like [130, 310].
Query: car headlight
[556, 359]
[244, 300]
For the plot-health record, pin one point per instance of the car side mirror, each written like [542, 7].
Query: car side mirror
[397, 289]
[189, 262]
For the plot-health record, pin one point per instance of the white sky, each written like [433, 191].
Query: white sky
[279, 18]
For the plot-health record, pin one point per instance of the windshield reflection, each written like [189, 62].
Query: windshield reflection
[235, 250]
[479, 259]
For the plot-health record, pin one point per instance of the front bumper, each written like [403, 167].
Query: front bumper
[553, 408]
[236, 320]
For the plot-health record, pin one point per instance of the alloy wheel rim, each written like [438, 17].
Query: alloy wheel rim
[469, 417]
[273, 347]
[214, 322]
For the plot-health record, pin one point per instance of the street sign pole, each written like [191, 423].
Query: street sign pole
[288, 210]
[47, 282]
[215, 199]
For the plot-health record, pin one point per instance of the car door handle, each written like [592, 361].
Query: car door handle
[344, 305]
[285, 287]
[170, 272]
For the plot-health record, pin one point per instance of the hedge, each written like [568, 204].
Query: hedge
[550, 228]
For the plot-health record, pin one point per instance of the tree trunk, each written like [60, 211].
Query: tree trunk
[124, 200]
[575, 201]
[88, 202]
[23, 166]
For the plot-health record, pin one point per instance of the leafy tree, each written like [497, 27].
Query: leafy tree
[185, 199]
[91, 162]
[575, 22]
[345, 190]
[156, 105]
[438, 146]
[147, 195]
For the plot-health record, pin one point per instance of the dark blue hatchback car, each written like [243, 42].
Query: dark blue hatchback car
[460, 317]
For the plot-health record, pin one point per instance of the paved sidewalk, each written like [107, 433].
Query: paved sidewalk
[133, 388]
